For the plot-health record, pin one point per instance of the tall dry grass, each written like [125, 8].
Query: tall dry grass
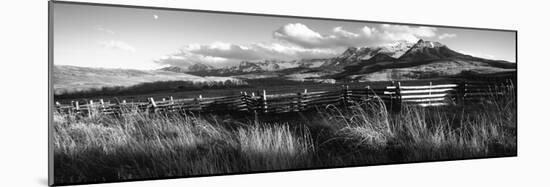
[144, 146]
[150, 146]
[484, 129]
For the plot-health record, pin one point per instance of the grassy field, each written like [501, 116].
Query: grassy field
[145, 146]
[159, 90]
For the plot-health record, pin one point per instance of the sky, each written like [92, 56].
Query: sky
[140, 38]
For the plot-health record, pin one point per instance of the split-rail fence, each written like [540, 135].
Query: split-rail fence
[395, 94]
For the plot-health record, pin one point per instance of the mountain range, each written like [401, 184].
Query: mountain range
[399, 60]
[422, 59]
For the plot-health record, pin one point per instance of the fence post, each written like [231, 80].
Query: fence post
[246, 101]
[122, 107]
[430, 94]
[264, 102]
[344, 96]
[153, 104]
[465, 90]
[91, 108]
[71, 108]
[398, 100]
[76, 106]
[393, 96]
[461, 95]
[367, 91]
[58, 106]
[242, 101]
[171, 104]
[295, 102]
[200, 103]
[254, 103]
[102, 105]
[303, 99]
[348, 95]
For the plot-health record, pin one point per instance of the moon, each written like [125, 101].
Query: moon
[155, 16]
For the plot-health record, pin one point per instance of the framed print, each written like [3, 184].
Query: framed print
[141, 93]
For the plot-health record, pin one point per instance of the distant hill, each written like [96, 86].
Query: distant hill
[74, 78]
[247, 67]
[193, 68]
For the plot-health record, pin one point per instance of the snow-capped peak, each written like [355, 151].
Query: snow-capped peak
[429, 44]
[396, 49]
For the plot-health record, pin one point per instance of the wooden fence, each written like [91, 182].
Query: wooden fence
[396, 94]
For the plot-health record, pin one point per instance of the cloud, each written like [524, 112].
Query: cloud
[446, 35]
[301, 35]
[219, 54]
[226, 50]
[115, 44]
[185, 59]
[391, 33]
[104, 30]
[291, 52]
[341, 32]
[257, 51]
[367, 31]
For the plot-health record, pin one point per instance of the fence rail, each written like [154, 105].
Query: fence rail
[395, 95]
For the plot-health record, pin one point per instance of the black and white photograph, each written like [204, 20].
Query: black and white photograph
[141, 93]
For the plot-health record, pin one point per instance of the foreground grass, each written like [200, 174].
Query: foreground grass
[143, 146]
[151, 146]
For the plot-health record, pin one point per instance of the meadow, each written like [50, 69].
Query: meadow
[163, 145]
